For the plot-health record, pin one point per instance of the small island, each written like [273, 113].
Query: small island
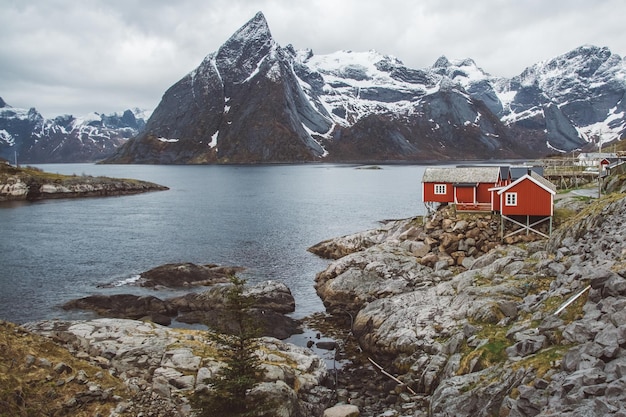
[31, 184]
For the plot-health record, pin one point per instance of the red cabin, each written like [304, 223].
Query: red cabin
[527, 202]
[530, 195]
[467, 187]
[520, 194]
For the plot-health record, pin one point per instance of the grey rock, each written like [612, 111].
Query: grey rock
[62, 368]
[527, 346]
[342, 410]
[530, 401]
[161, 362]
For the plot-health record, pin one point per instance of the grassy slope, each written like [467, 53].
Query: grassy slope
[31, 386]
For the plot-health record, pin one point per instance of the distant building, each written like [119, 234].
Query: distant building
[594, 159]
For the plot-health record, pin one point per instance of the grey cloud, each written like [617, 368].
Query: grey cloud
[63, 56]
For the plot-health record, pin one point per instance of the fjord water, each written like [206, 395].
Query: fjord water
[260, 217]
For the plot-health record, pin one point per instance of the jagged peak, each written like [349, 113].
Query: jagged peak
[584, 64]
[3, 103]
[467, 62]
[240, 55]
[256, 29]
[441, 62]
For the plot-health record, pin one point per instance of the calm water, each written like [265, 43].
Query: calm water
[260, 217]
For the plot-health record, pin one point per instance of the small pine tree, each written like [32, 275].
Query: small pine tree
[243, 367]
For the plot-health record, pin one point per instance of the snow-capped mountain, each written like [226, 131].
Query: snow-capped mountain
[25, 133]
[255, 101]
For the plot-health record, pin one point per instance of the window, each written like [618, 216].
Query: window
[511, 199]
[440, 188]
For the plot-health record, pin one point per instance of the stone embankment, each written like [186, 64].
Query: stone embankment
[33, 184]
[480, 333]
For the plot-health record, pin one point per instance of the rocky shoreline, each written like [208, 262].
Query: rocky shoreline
[31, 184]
[162, 367]
[479, 335]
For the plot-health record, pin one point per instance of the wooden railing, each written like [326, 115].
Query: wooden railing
[473, 206]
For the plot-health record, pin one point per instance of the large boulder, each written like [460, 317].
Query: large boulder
[342, 410]
[186, 274]
[128, 306]
[361, 277]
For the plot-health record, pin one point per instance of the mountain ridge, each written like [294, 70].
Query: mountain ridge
[26, 136]
[267, 103]
[254, 101]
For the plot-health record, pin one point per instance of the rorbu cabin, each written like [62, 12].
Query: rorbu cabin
[527, 202]
[520, 194]
[466, 187]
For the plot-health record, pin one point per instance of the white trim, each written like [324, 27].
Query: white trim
[526, 177]
[510, 199]
[441, 187]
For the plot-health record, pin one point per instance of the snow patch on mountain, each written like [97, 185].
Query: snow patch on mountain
[6, 138]
[609, 129]
[356, 84]
[213, 142]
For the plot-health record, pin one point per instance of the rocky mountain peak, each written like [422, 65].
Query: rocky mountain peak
[3, 103]
[441, 62]
[240, 55]
[463, 71]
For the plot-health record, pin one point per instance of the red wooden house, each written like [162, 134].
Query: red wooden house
[467, 187]
[530, 195]
[518, 193]
[529, 198]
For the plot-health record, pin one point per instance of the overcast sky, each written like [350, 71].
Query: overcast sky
[79, 56]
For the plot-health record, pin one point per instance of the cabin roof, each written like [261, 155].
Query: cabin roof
[461, 175]
[519, 172]
[536, 178]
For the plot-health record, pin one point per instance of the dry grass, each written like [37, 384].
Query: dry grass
[30, 386]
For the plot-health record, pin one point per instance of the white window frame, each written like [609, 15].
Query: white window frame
[441, 189]
[510, 199]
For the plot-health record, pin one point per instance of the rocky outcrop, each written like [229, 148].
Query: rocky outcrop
[33, 184]
[403, 255]
[502, 335]
[125, 306]
[162, 367]
[186, 275]
[271, 300]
